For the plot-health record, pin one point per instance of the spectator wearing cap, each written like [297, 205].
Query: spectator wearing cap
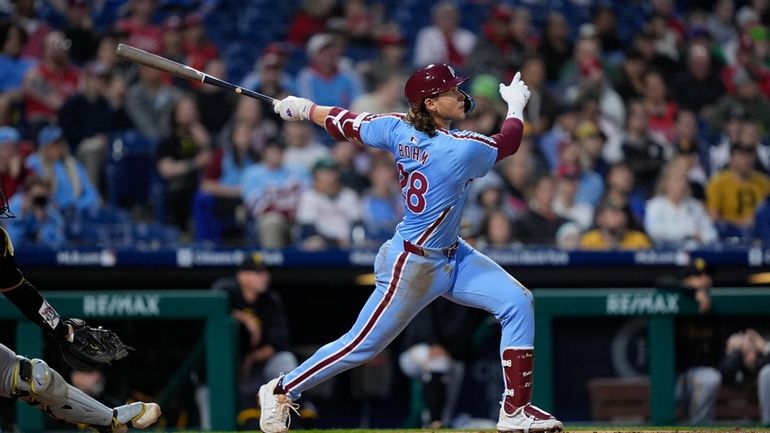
[697, 343]
[87, 119]
[50, 82]
[196, 46]
[271, 192]
[215, 104]
[673, 216]
[734, 194]
[642, 150]
[591, 141]
[556, 46]
[218, 201]
[149, 102]
[565, 202]
[746, 96]
[539, 223]
[328, 211]
[37, 222]
[71, 187]
[444, 41]
[269, 75]
[698, 86]
[592, 83]
[13, 66]
[325, 80]
[181, 157]
[496, 52]
[139, 28]
[613, 229]
[12, 169]
[264, 343]
[80, 30]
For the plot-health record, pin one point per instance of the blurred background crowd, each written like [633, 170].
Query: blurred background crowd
[647, 125]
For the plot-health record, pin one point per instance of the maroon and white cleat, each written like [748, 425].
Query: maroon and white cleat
[528, 419]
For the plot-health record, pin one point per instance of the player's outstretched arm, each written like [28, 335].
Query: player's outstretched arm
[339, 122]
[516, 96]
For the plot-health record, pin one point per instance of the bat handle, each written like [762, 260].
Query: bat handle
[208, 79]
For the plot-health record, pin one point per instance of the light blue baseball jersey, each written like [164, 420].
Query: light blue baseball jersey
[434, 172]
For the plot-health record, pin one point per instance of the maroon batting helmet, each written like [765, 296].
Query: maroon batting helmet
[432, 80]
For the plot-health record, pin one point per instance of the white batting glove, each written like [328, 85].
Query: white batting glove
[516, 96]
[292, 108]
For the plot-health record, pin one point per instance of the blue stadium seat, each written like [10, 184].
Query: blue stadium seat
[154, 236]
[128, 169]
[108, 226]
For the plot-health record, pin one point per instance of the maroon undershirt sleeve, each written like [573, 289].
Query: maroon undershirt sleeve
[509, 137]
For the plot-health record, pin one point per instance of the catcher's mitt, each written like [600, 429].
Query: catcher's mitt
[91, 348]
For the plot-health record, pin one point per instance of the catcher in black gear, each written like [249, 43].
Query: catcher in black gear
[83, 347]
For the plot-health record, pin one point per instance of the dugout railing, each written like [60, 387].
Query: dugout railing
[209, 306]
[659, 307]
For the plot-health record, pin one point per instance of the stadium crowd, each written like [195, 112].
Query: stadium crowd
[633, 139]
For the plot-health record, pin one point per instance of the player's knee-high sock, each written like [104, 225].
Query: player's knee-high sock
[517, 370]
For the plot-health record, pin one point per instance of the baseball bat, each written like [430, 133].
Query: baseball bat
[133, 54]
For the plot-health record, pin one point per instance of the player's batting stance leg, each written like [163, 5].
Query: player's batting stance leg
[484, 284]
[405, 284]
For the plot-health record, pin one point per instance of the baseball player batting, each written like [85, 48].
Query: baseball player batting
[33, 381]
[426, 258]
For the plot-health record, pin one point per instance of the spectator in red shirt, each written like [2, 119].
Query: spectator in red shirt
[50, 83]
[142, 33]
[12, 169]
[36, 28]
[661, 112]
[198, 49]
[311, 20]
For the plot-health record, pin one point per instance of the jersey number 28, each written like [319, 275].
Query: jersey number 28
[416, 185]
